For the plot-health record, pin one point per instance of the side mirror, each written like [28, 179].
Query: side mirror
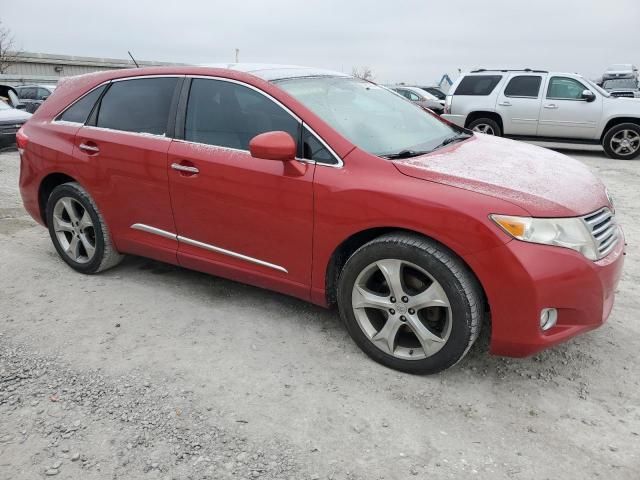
[588, 95]
[273, 146]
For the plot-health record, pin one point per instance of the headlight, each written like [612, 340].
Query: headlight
[563, 232]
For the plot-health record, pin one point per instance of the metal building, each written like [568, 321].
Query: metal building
[44, 68]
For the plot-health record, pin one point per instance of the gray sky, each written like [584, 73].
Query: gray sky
[401, 40]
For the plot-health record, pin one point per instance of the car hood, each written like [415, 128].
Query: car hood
[543, 182]
[14, 115]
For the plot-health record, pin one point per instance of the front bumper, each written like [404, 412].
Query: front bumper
[520, 279]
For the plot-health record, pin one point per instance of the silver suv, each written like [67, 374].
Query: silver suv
[545, 106]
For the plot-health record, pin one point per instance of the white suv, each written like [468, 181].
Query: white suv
[545, 106]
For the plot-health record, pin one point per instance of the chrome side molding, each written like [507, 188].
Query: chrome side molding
[206, 246]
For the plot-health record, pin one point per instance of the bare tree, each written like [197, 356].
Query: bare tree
[8, 52]
[365, 73]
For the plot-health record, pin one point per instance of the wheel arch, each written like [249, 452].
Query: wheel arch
[352, 243]
[475, 115]
[617, 121]
[47, 185]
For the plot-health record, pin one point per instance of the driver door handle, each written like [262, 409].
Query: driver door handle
[88, 148]
[185, 168]
[551, 106]
[505, 104]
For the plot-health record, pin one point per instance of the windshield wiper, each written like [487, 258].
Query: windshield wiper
[456, 138]
[405, 154]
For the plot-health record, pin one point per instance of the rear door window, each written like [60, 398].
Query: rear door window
[79, 111]
[523, 86]
[27, 93]
[229, 115]
[478, 84]
[138, 105]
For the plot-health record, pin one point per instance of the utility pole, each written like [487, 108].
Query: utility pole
[237, 55]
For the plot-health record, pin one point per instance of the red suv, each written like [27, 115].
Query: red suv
[331, 189]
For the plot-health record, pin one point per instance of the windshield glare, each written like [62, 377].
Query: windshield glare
[371, 117]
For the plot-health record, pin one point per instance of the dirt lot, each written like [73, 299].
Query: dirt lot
[151, 371]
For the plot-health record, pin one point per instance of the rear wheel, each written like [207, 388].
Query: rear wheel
[622, 141]
[78, 231]
[409, 303]
[486, 126]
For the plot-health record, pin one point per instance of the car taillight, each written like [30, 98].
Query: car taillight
[21, 140]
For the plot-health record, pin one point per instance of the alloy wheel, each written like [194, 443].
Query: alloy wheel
[74, 230]
[484, 128]
[402, 309]
[625, 142]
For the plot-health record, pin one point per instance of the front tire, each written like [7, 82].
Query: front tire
[622, 141]
[487, 126]
[410, 304]
[78, 231]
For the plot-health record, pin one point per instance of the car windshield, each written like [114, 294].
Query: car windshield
[435, 92]
[620, 83]
[372, 117]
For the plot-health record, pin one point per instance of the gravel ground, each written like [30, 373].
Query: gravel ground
[151, 371]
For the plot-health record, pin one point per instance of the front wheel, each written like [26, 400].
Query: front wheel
[409, 303]
[486, 126]
[622, 141]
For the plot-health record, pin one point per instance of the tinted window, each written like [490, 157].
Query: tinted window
[565, 88]
[523, 86]
[478, 85]
[436, 93]
[27, 93]
[42, 93]
[313, 149]
[230, 115]
[79, 111]
[139, 105]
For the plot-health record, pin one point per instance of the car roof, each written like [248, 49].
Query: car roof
[271, 72]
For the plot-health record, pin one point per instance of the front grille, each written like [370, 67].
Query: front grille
[603, 228]
[8, 128]
[622, 94]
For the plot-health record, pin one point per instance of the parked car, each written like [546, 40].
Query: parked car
[11, 119]
[436, 92]
[9, 95]
[622, 87]
[420, 97]
[331, 189]
[545, 106]
[621, 70]
[33, 95]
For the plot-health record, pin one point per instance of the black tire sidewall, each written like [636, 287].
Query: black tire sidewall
[458, 341]
[606, 141]
[69, 190]
[488, 121]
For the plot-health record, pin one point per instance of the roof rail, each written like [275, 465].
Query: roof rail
[479, 70]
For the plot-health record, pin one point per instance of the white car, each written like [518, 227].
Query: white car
[545, 106]
[420, 97]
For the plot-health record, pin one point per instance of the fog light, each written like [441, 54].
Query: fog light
[548, 318]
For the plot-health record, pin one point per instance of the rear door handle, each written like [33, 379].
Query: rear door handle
[551, 106]
[88, 148]
[185, 168]
[505, 104]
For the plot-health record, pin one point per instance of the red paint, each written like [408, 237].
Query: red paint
[295, 215]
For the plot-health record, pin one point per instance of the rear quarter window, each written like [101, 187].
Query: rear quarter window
[478, 85]
[79, 111]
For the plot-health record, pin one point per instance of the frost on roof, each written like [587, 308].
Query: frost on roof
[270, 72]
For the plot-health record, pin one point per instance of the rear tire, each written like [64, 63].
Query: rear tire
[486, 126]
[430, 316]
[622, 141]
[78, 231]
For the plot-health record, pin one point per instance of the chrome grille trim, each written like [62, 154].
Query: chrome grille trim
[604, 230]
